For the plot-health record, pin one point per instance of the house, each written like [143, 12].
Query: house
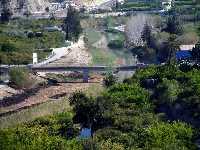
[187, 47]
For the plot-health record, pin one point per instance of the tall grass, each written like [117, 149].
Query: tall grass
[25, 115]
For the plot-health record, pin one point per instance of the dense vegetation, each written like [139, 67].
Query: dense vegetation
[158, 108]
[20, 38]
[20, 78]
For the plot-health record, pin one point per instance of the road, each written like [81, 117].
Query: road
[58, 53]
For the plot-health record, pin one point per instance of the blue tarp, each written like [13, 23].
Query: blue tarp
[182, 55]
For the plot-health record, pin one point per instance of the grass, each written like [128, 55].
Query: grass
[14, 33]
[95, 90]
[102, 57]
[190, 27]
[29, 114]
[92, 36]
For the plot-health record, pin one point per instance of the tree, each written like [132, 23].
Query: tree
[20, 78]
[134, 28]
[146, 34]
[196, 52]
[171, 46]
[110, 79]
[168, 91]
[72, 25]
[6, 12]
[174, 135]
[84, 108]
[174, 25]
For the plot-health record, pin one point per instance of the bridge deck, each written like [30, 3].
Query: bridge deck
[74, 68]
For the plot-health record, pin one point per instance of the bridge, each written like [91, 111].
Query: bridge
[4, 69]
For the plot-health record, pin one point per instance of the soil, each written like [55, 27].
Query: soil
[19, 100]
[78, 55]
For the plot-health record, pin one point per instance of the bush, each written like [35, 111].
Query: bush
[20, 79]
[7, 47]
[115, 44]
[109, 80]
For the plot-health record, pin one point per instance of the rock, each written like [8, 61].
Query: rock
[21, 7]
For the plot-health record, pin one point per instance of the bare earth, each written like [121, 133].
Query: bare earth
[78, 55]
[46, 94]
[6, 91]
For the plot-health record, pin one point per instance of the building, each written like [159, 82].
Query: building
[187, 47]
[183, 55]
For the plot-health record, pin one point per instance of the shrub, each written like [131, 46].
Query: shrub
[7, 47]
[20, 79]
[115, 44]
[109, 80]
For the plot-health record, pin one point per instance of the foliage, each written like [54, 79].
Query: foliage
[168, 91]
[84, 108]
[110, 79]
[20, 79]
[108, 145]
[171, 47]
[124, 93]
[109, 22]
[174, 25]
[5, 12]
[196, 52]
[176, 135]
[124, 116]
[16, 48]
[32, 113]
[43, 133]
[146, 34]
[116, 44]
[72, 25]
[8, 47]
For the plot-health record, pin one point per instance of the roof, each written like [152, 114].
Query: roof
[186, 54]
[186, 47]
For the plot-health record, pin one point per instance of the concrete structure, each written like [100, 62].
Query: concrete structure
[85, 69]
[187, 47]
[35, 58]
[167, 5]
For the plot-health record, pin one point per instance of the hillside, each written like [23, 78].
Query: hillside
[19, 7]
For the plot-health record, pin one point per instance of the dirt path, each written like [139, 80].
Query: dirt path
[78, 55]
[48, 93]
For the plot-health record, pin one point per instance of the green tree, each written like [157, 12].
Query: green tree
[84, 108]
[109, 145]
[146, 34]
[110, 79]
[174, 135]
[168, 91]
[72, 25]
[174, 25]
[42, 133]
[6, 12]
[196, 52]
[172, 46]
[20, 78]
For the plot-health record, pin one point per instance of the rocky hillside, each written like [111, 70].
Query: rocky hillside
[19, 7]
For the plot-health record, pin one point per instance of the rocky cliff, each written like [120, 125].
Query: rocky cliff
[19, 7]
